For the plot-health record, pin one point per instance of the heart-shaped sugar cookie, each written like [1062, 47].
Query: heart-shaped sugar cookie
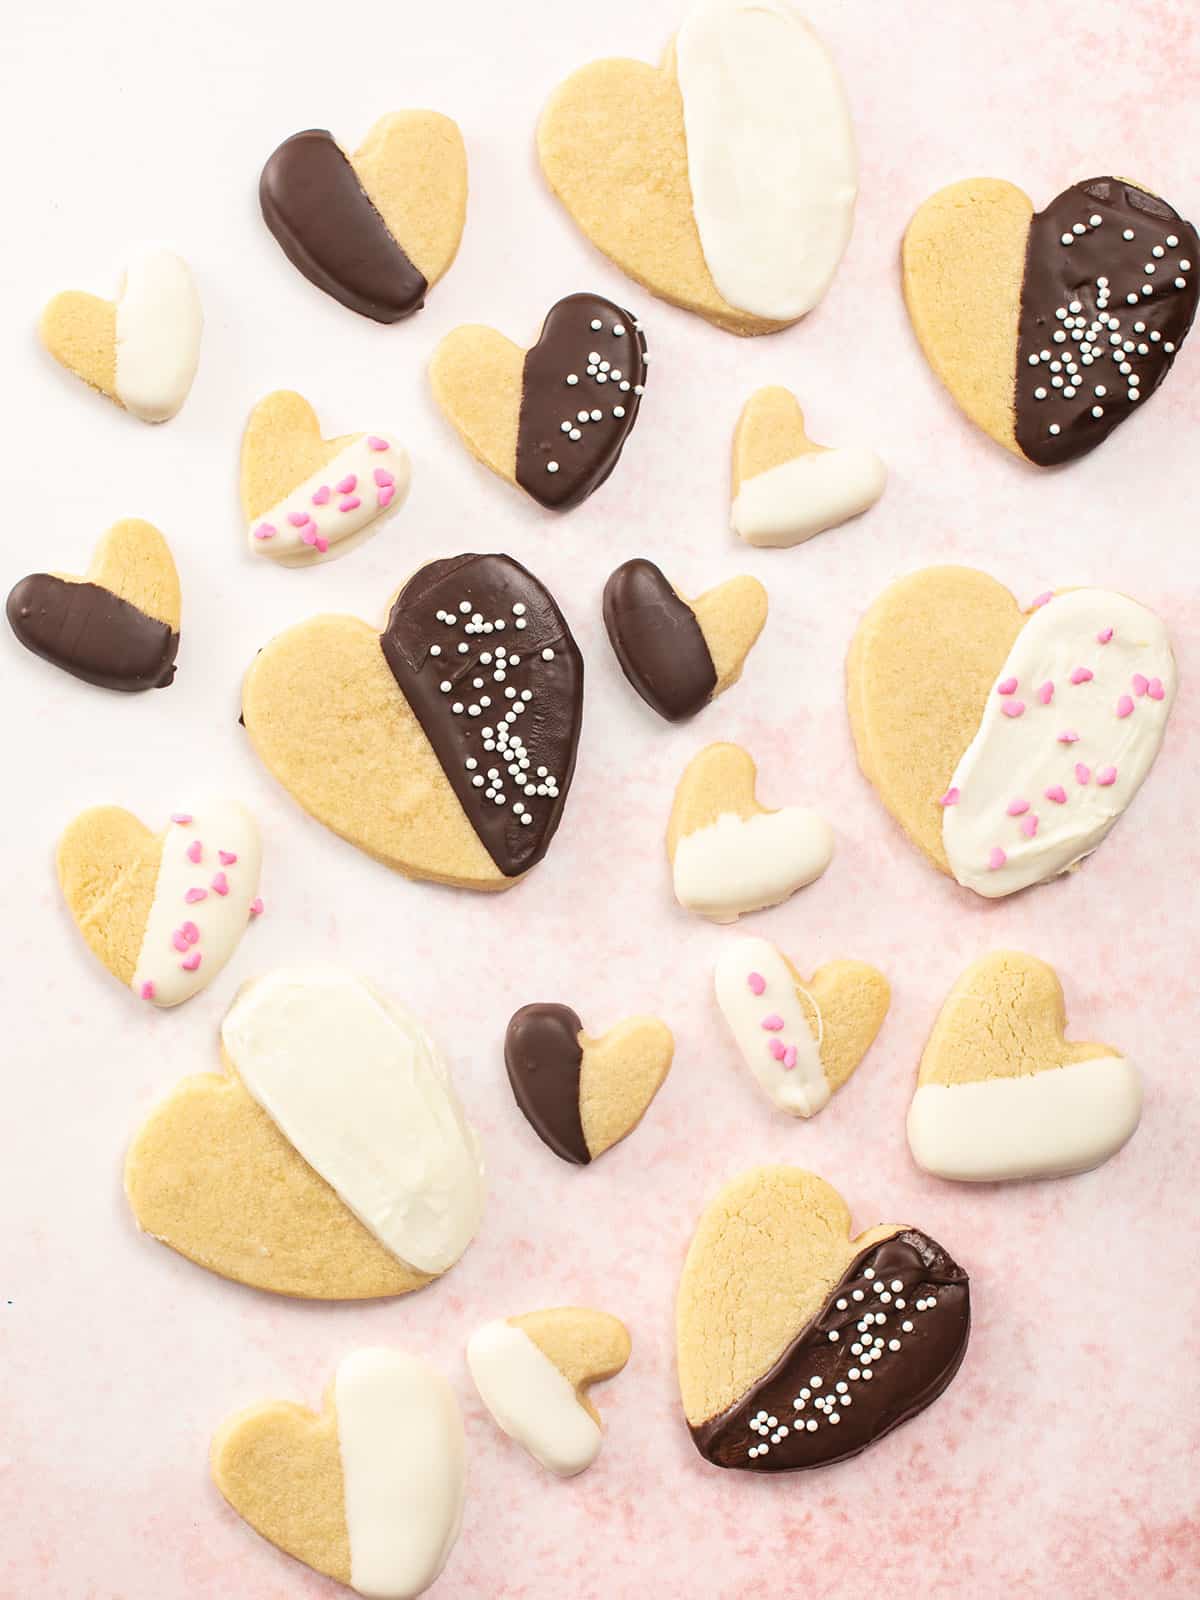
[724, 180]
[1050, 328]
[1006, 743]
[800, 1038]
[291, 1174]
[369, 1491]
[582, 1095]
[798, 1345]
[140, 351]
[1000, 1091]
[377, 229]
[119, 626]
[678, 653]
[306, 498]
[785, 487]
[534, 1373]
[444, 746]
[163, 912]
[552, 419]
[728, 854]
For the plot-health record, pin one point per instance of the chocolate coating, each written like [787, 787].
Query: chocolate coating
[1074, 304]
[315, 206]
[891, 1386]
[658, 641]
[548, 399]
[490, 742]
[92, 633]
[542, 1054]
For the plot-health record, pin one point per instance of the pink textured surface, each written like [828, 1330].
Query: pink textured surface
[1062, 1461]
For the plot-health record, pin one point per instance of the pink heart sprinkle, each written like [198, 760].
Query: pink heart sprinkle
[1068, 736]
[1140, 684]
[192, 962]
[182, 817]
[1124, 706]
[1058, 794]
[1029, 825]
[220, 884]
[228, 858]
[309, 535]
[265, 530]
[1009, 686]
[757, 982]
[195, 850]
[383, 477]
[322, 545]
[193, 896]
[179, 940]
[1013, 708]
[256, 907]
[147, 990]
[1042, 599]
[773, 1023]
[1082, 774]
[350, 505]
[348, 484]
[321, 498]
[1106, 777]
[777, 1050]
[950, 798]
[298, 518]
[190, 932]
[384, 498]
[789, 1057]
[996, 858]
[1082, 675]
[374, 442]
[1104, 636]
[1046, 693]
[1156, 690]
[1018, 808]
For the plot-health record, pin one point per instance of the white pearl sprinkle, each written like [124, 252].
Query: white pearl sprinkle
[1054, 428]
[1097, 411]
[596, 415]
[618, 329]
[1095, 219]
[572, 377]
[552, 466]
[1068, 238]
[834, 1336]
[1172, 240]
[547, 655]
[1181, 283]
[618, 411]
[1127, 233]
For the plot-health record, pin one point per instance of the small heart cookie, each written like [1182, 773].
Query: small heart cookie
[141, 351]
[164, 912]
[724, 180]
[785, 487]
[1006, 743]
[1049, 328]
[552, 419]
[330, 1161]
[533, 1373]
[417, 747]
[1002, 1094]
[119, 626]
[728, 854]
[308, 499]
[799, 1346]
[801, 1039]
[582, 1095]
[678, 653]
[370, 1490]
[376, 230]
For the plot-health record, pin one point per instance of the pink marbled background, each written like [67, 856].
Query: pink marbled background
[1062, 1460]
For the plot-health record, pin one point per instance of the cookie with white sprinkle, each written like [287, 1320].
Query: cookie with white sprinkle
[552, 419]
[1050, 328]
[798, 1345]
[443, 746]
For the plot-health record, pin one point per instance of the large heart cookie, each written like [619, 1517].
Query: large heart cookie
[308, 499]
[534, 1373]
[1050, 328]
[1006, 743]
[798, 1345]
[552, 419]
[581, 1095]
[141, 351]
[445, 747]
[1002, 1094]
[163, 912]
[368, 1491]
[724, 180]
[377, 229]
[785, 487]
[728, 854]
[119, 626]
[331, 1160]
[800, 1038]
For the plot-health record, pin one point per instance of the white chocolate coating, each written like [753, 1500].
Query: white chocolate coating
[790, 503]
[740, 864]
[531, 1400]
[794, 1080]
[340, 517]
[159, 323]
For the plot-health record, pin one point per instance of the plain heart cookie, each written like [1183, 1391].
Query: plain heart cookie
[799, 1346]
[163, 911]
[1006, 743]
[444, 746]
[368, 1491]
[785, 487]
[728, 854]
[331, 1160]
[142, 350]
[581, 1095]
[308, 499]
[552, 419]
[1002, 1094]
[678, 653]
[118, 627]
[801, 1038]
[376, 230]
[724, 180]
[534, 1373]
[1050, 328]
